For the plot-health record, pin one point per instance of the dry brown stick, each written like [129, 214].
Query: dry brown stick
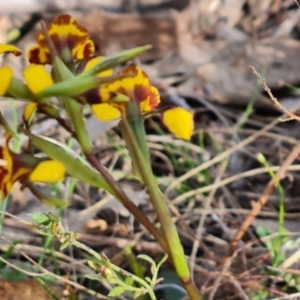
[276, 102]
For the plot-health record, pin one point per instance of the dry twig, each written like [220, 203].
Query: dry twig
[276, 102]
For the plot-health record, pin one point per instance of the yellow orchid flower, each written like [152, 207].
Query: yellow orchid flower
[66, 34]
[20, 167]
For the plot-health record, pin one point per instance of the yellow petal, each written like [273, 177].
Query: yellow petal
[106, 112]
[10, 48]
[37, 78]
[93, 62]
[136, 85]
[49, 171]
[38, 55]
[6, 75]
[28, 112]
[84, 50]
[179, 121]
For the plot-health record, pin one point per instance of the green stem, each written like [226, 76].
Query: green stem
[281, 230]
[164, 217]
[136, 123]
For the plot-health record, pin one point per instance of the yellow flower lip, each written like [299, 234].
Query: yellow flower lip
[179, 121]
[37, 78]
[66, 34]
[49, 171]
[6, 73]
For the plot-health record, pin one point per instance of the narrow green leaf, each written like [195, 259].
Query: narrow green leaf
[129, 280]
[115, 60]
[47, 289]
[6, 126]
[116, 291]
[18, 89]
[40, 218]
[8, 253]
[60, 71]
[76, 86]
[75, 168]
[46, 199]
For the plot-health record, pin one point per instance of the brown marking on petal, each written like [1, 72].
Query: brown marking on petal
[140, 93]
[4, 189]
[123, 91]
[63, 19]
[81, 99]
[3, 175]
[20, 174]
[37, 56]
[14, 170]
[66, 19]
[33, 56]
[1, 152]
[129, 70]
[154, 97]
[16, 163]
[91, 96]
[66, 42]
[134, 71]
[95, 96]
[89, 49]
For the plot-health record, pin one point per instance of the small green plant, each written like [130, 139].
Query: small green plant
[123, 281]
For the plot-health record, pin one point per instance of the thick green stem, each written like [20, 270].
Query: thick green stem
[136, 122]
[164, 217]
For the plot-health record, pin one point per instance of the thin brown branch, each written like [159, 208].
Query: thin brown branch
[276, 102]
[139, 215]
